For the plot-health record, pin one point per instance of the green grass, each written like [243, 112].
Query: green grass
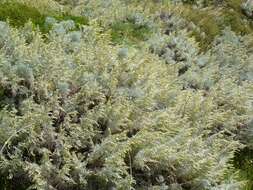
[128, 32]
[18, 14]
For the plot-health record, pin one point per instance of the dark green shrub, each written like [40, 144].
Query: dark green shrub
[212, 22]
[244, 162]
[235, 21]
[18, 14]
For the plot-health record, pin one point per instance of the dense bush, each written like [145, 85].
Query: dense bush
[134, 102]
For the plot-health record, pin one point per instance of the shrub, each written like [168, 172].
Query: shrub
[85, 119]
[19, 14]
[247, 8]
